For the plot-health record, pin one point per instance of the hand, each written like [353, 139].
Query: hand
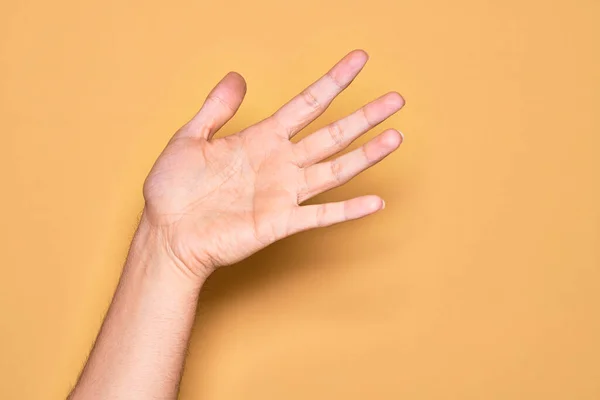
[217, 201]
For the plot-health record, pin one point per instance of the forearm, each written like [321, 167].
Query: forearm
[140, 350]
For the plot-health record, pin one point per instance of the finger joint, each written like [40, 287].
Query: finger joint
[336, 172]
[336, 133]
[311, 100]
[338, 84]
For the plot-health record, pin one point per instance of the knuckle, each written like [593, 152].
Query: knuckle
[311, 100]
[365, 116]
[339, 85]
[219, 102]
[276, 124]
[336, 172]
[363, 150]
[321, 215]
[302, 192]
[302, 153]
[336, 133]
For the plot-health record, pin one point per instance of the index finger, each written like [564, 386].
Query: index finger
[315, 99]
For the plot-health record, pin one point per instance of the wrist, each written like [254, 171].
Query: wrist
[151, 251]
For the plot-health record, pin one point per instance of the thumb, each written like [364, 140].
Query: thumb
[218, 108]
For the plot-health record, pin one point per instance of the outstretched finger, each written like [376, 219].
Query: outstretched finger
[218, 108]
[340, 134]
[315, 99]
[321, 215]
[321, 177]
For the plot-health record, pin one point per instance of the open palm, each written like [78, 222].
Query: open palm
[218, 200]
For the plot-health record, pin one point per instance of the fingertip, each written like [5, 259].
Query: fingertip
[234, 74]
[230, 90]
[358, 57]
[373, 203]
[362, 206]
[362, 53]
[236, 80]
[396, 99]
[392, 138]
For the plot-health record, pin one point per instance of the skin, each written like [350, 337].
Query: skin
[211, 202]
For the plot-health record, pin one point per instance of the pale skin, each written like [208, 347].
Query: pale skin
[211, 202]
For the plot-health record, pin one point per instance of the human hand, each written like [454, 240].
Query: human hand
[215, 201]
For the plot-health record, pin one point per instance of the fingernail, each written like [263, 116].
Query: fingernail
[382, 204]
[402, 136]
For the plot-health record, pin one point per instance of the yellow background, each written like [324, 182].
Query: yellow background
[480, 279]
